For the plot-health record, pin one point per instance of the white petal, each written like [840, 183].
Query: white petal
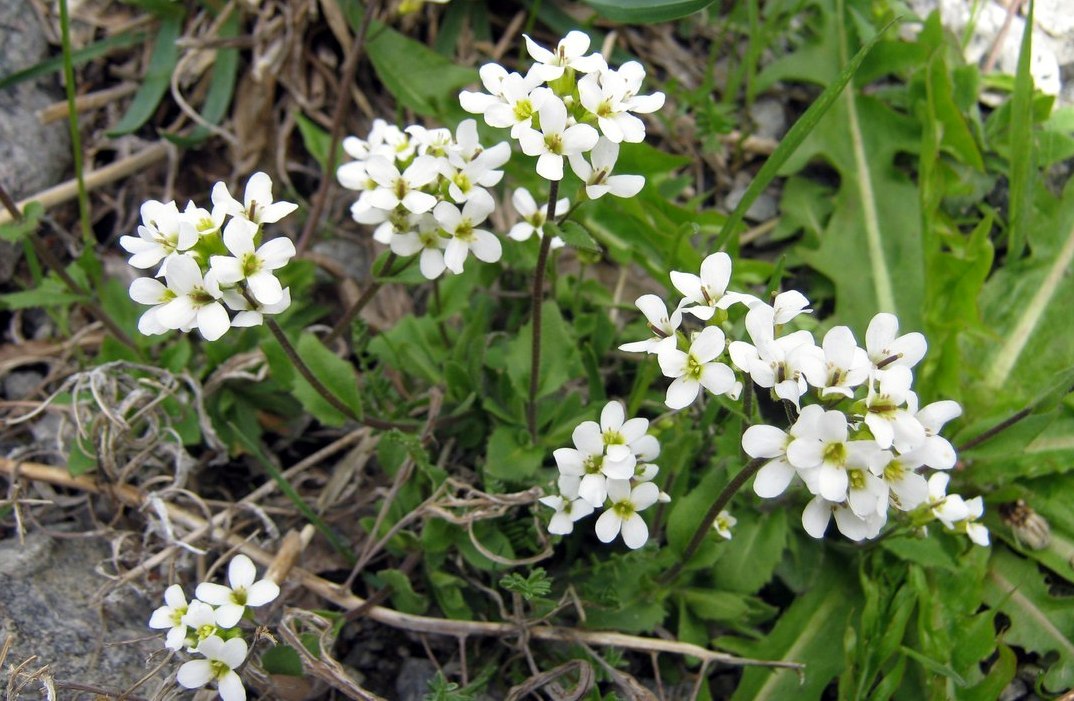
[147, 290]
[763, 441]
[634, 530]
[276, 253]
[773, 479]
[233, 652]
[612, 416]
[608, 526]
[682, 392]
[194, 674]
[486, 247]
[815, 517]
[550, 166]
[213, 321]
[230, 687]
[262, 592]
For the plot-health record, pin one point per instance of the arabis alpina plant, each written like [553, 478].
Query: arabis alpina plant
[609, 467]
[211, 269]
[207, 627]
[858, 440]
[426, 192]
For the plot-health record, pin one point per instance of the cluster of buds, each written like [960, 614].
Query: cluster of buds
[217, 275]
[610, 467]
[208, 627]
[864, 443]
[426, 191]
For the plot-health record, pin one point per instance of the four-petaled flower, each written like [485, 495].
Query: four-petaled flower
[244, 591]
[221, 659]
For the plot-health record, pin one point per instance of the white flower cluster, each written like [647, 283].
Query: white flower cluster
[551, 112]
[207, 626]
[609, 466]
[210, 267]
[426, 192]
[860, 448]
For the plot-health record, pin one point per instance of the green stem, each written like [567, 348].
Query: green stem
[365, 298]
[538, 300]
[72, 123]
[343, 101]
[722, 501]
[69, 282]
[997, 429]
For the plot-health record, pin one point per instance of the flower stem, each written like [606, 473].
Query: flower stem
[343, 101]
[703, 529]
[54, 264]
[365, 298]
[538, 299]
[307, 374]
[72, 124]
[997, 429]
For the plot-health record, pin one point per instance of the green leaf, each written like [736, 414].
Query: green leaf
[1027, 305]
[1021, 144]
[50, 293]
[797, 134]
[221, 86]
[573, 234]
[647, 11]
[336, 374]
[418, 77]
[404, 597]
[808, 632]
[282, 659]
[560, 360]
[751, 556]
[16, 231]
[157, 78]
[511, 457]
[316, 139]
[1039, 622]
[933, 666]
[872, 245]
[83, 457]
[78, 57]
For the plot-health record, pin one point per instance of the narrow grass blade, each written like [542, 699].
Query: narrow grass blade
[157, 78]
[221, 86]
[794, 138]
[645, 11]
[1021, 146]
[78, 57]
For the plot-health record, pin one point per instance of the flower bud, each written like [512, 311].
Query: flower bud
[1030, 529]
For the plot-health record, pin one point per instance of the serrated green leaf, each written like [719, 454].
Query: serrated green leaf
[336, 374]
[157, 77]
[16, 231]
[1039, 622]
[647, 11]
[50, 293]
[573, 234]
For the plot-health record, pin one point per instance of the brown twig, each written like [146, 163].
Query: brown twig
[349, 70]
[346, 600]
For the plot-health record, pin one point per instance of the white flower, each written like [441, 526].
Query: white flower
[946, 508]
[771, 443]
[428, 241]
[195, 301]
[201, 618]
[556, 139]
[244, 591]
[622, 514]
[818, 513]
[823, 448]
[908, 489]
[534, 217]
[520, 99]
[890, 422]
[395, 188]
[492, 76]
[253, 266]
[977, 532]
[707, 293]
[582, 468]
[788, 305]
[773, 362]
[569, 53]
[163, 232]
[221, 660]
[147, 290]
[724, 523]
[257, 205]
[837, 367]
[632, 73]
[253, 316]
[568, 510]
[887, 349]
[465, 237]
[935, 451]
[171, 616]
[206, 223]
[598, 179]
[697, 368]
[662, 324]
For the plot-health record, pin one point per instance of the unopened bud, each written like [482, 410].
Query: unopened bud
[1029, 528]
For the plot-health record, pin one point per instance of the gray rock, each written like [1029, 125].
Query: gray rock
[414, 677]
[765, 207]
[19, 384]
[768, 119]
[33, 156]
[46, 602]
